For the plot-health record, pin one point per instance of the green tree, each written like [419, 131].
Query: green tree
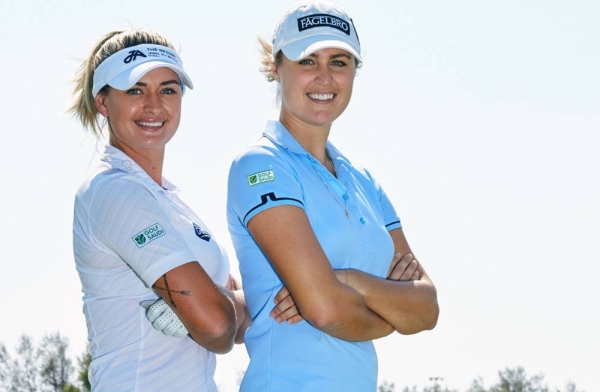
[21, 373]
[84, 365]
[570, 387]
[386, 387]
[43, 369]
[477, 386]
[56, 368]
[516, 380]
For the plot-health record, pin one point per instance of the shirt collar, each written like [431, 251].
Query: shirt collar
[117, 159]
[278, 134]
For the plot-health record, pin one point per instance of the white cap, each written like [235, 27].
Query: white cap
[309, 26]
[125, 68]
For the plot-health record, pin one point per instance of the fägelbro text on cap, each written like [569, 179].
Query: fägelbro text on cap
[125, 68]
[309, 26]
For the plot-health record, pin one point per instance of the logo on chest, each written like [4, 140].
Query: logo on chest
[201, 233]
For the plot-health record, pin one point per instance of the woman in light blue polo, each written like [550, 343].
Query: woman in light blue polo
[318, 241]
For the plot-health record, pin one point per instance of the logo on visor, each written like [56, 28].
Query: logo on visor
[322, 20]
[133, 55]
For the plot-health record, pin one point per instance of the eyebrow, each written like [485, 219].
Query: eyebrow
[335, 56]
[142, 84]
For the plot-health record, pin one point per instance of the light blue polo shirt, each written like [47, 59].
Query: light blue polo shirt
[350, 215]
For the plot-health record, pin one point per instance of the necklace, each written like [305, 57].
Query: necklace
[331, 161]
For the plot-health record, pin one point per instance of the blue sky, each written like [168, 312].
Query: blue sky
[480, 118]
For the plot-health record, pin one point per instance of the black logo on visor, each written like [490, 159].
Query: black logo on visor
[133, 55]
[322, 20]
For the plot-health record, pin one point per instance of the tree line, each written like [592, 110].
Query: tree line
[47, 368]
[43, 368]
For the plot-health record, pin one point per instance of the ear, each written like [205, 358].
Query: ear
[275, 73]
[101, 104]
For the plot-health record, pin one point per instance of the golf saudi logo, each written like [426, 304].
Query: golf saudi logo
[259, 178]
[148, 235]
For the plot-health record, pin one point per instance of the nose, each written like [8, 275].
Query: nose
[323, 74]
[152, 103]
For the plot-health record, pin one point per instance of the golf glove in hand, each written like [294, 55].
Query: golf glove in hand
[163, 318]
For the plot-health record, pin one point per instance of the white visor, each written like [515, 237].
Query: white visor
[126, 67]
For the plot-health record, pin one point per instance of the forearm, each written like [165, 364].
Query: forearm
[347, 316]
[216, 333]
[409, 306]
[206, 312]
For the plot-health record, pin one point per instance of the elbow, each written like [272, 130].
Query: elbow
[218, 339]
[431, 319]
[321, 316]
[425, 320]
[430, 312]
[218, 334]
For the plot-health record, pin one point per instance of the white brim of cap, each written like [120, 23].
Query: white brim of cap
[309, 45]
[131, 76]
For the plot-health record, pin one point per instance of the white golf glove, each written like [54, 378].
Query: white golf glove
[163, 318]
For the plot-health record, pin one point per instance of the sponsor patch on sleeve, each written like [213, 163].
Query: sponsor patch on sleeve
[259, 178]
[148, 235]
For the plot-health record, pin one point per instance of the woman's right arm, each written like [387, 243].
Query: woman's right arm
[208, 312]
[285, 236]
[122, 207]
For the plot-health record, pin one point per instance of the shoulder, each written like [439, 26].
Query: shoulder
[108, 183]
[349, 165]
[262, 155]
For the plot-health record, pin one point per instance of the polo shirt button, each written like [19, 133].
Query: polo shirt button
[362, 220]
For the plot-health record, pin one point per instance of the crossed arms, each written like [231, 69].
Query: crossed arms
[348, 304]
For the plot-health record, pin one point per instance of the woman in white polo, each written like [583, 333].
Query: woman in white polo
[312, 232]
[134, 239]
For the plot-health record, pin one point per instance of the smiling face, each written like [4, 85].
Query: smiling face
[144, 117]
[315, 90]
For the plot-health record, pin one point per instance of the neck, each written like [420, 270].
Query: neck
[312, 138]
[151, 161]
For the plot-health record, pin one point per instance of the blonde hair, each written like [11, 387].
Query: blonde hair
[268, 62]
[84, 107]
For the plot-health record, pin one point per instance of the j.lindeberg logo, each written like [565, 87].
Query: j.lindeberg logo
[133, 56]
[323, 20]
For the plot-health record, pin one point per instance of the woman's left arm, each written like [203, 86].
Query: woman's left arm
[409, 305]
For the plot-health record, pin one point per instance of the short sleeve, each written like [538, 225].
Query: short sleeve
[390, 217]
[262, 178]
[127, 219]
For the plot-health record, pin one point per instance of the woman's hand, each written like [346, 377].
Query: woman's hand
[404, 268]
[285, 308]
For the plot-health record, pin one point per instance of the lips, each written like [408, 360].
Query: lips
[321, 97]
[150, 124]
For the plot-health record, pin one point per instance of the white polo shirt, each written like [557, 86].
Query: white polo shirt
[350, 215]
[127, 232]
